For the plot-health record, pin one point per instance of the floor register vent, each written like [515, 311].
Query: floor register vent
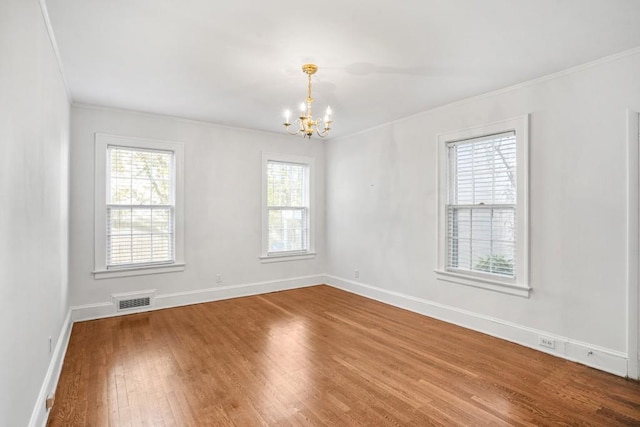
[133, 301]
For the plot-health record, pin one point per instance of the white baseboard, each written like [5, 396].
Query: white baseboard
[40, 413]
[598, 357]
[176, 299]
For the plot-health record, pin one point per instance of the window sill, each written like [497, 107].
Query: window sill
[138, 271]
[484, 283]
[265, 259]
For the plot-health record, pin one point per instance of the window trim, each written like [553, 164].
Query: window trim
[520, 285]
[265, 255]
[102, 141]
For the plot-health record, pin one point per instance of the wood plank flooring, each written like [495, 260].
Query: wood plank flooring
[320, 356]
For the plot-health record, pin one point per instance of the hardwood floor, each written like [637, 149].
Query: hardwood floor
[319, 356]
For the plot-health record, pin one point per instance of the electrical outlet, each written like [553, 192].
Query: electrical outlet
[547, 342]
[50, 345]
[218, 278]
[48, 404]
[356, 273]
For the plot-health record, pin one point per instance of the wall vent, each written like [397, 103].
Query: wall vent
[132, 301]
[127, 304]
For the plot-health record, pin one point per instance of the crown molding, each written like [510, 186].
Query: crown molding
[54, 46]
[527, 83]
[185, 120]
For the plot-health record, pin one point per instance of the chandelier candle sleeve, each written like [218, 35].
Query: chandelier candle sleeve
[307, 126]
[327, 117]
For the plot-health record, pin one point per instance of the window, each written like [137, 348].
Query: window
[138, 224]
[287, 214]
[140, 209]
[483, 207]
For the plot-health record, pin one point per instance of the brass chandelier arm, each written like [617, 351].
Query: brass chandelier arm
[288, 129]
[324, 132]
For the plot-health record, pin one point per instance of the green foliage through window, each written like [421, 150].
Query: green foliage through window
[496, 264]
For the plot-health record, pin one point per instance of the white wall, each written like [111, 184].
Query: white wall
[222, 207]
[382, 206]
[34, 127]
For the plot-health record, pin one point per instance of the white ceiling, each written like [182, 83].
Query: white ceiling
[238, 62]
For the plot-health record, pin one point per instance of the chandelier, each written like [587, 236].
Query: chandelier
[306, 125]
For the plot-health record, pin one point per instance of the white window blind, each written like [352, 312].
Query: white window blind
[481, 209]
[140, 207]
[287, 207]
